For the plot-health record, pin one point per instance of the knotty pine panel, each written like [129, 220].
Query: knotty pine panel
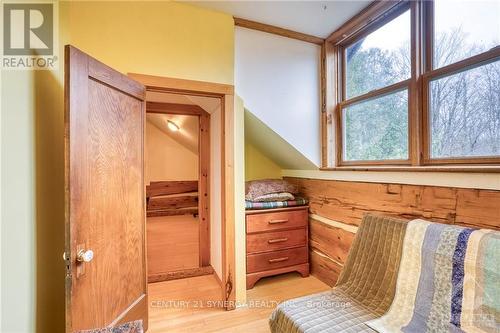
[347, 202]
[331, 241]
[324, 268]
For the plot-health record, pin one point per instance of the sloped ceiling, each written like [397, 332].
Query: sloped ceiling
[187, 135]
[273, 145]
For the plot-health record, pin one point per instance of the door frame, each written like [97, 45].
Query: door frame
[203, 169]
[226, 95]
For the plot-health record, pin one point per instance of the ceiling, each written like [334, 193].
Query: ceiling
[317, 18]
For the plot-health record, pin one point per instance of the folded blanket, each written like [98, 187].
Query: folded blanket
[276, 204]
[257, 188]
[449, 281]
[282, 196]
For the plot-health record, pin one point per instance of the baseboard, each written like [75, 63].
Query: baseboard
[181, 274]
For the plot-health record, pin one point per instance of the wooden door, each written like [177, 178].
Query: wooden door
[105, 213]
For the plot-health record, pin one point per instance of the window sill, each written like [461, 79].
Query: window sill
[476, 168]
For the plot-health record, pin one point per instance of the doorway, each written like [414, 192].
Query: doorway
[105, 202]
[178, 182]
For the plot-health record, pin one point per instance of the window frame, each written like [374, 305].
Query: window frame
[367, 21]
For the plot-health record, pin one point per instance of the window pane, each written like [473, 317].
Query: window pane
[464, 28]
[377, 129]
[465, 113]
[380, 59]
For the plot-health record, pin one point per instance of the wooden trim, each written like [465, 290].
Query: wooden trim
[226, 94]
[331, 101]
[323, 112]
[464, 65]
[385, 18]
[366, 17]
[182, 86]
[182, 274]
[244, 23]
[427, 18]
[375, 162]
[399, 86]
[204, 188]
[174, 108]
[448, 168]
[227, 193]
[219, 282]
[414, 89]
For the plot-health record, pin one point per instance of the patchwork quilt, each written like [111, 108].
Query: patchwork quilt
[413, 277]
[449, 281]
[276, 204]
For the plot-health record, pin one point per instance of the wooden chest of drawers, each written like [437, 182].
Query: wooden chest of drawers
[277, 242]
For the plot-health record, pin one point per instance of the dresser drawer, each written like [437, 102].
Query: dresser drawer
[277, 220]
[276, 240]
[276, 259]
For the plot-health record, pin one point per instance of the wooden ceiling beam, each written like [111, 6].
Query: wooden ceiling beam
[244, 23]
[174, 108]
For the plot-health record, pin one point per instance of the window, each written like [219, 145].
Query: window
[416, 83]
[377, 129]
[380, 59]
[461, 100]
[464, 28]
[465, 113]
[374, 109]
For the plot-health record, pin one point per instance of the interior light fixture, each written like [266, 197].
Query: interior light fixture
[173, 126]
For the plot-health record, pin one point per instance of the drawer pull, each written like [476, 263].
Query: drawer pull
[277, 240]
[278, 221]
[278, 260]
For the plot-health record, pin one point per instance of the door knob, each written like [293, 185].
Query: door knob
[85, 256]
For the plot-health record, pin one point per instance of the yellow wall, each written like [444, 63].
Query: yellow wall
[259, 166]
[160, 38]
[159, 164]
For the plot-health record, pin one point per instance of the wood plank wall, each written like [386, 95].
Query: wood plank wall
[337, 207]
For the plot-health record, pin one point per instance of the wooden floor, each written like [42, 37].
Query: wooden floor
[190, 305]
[172, 243]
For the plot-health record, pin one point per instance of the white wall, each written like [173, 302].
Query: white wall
[278, 79]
